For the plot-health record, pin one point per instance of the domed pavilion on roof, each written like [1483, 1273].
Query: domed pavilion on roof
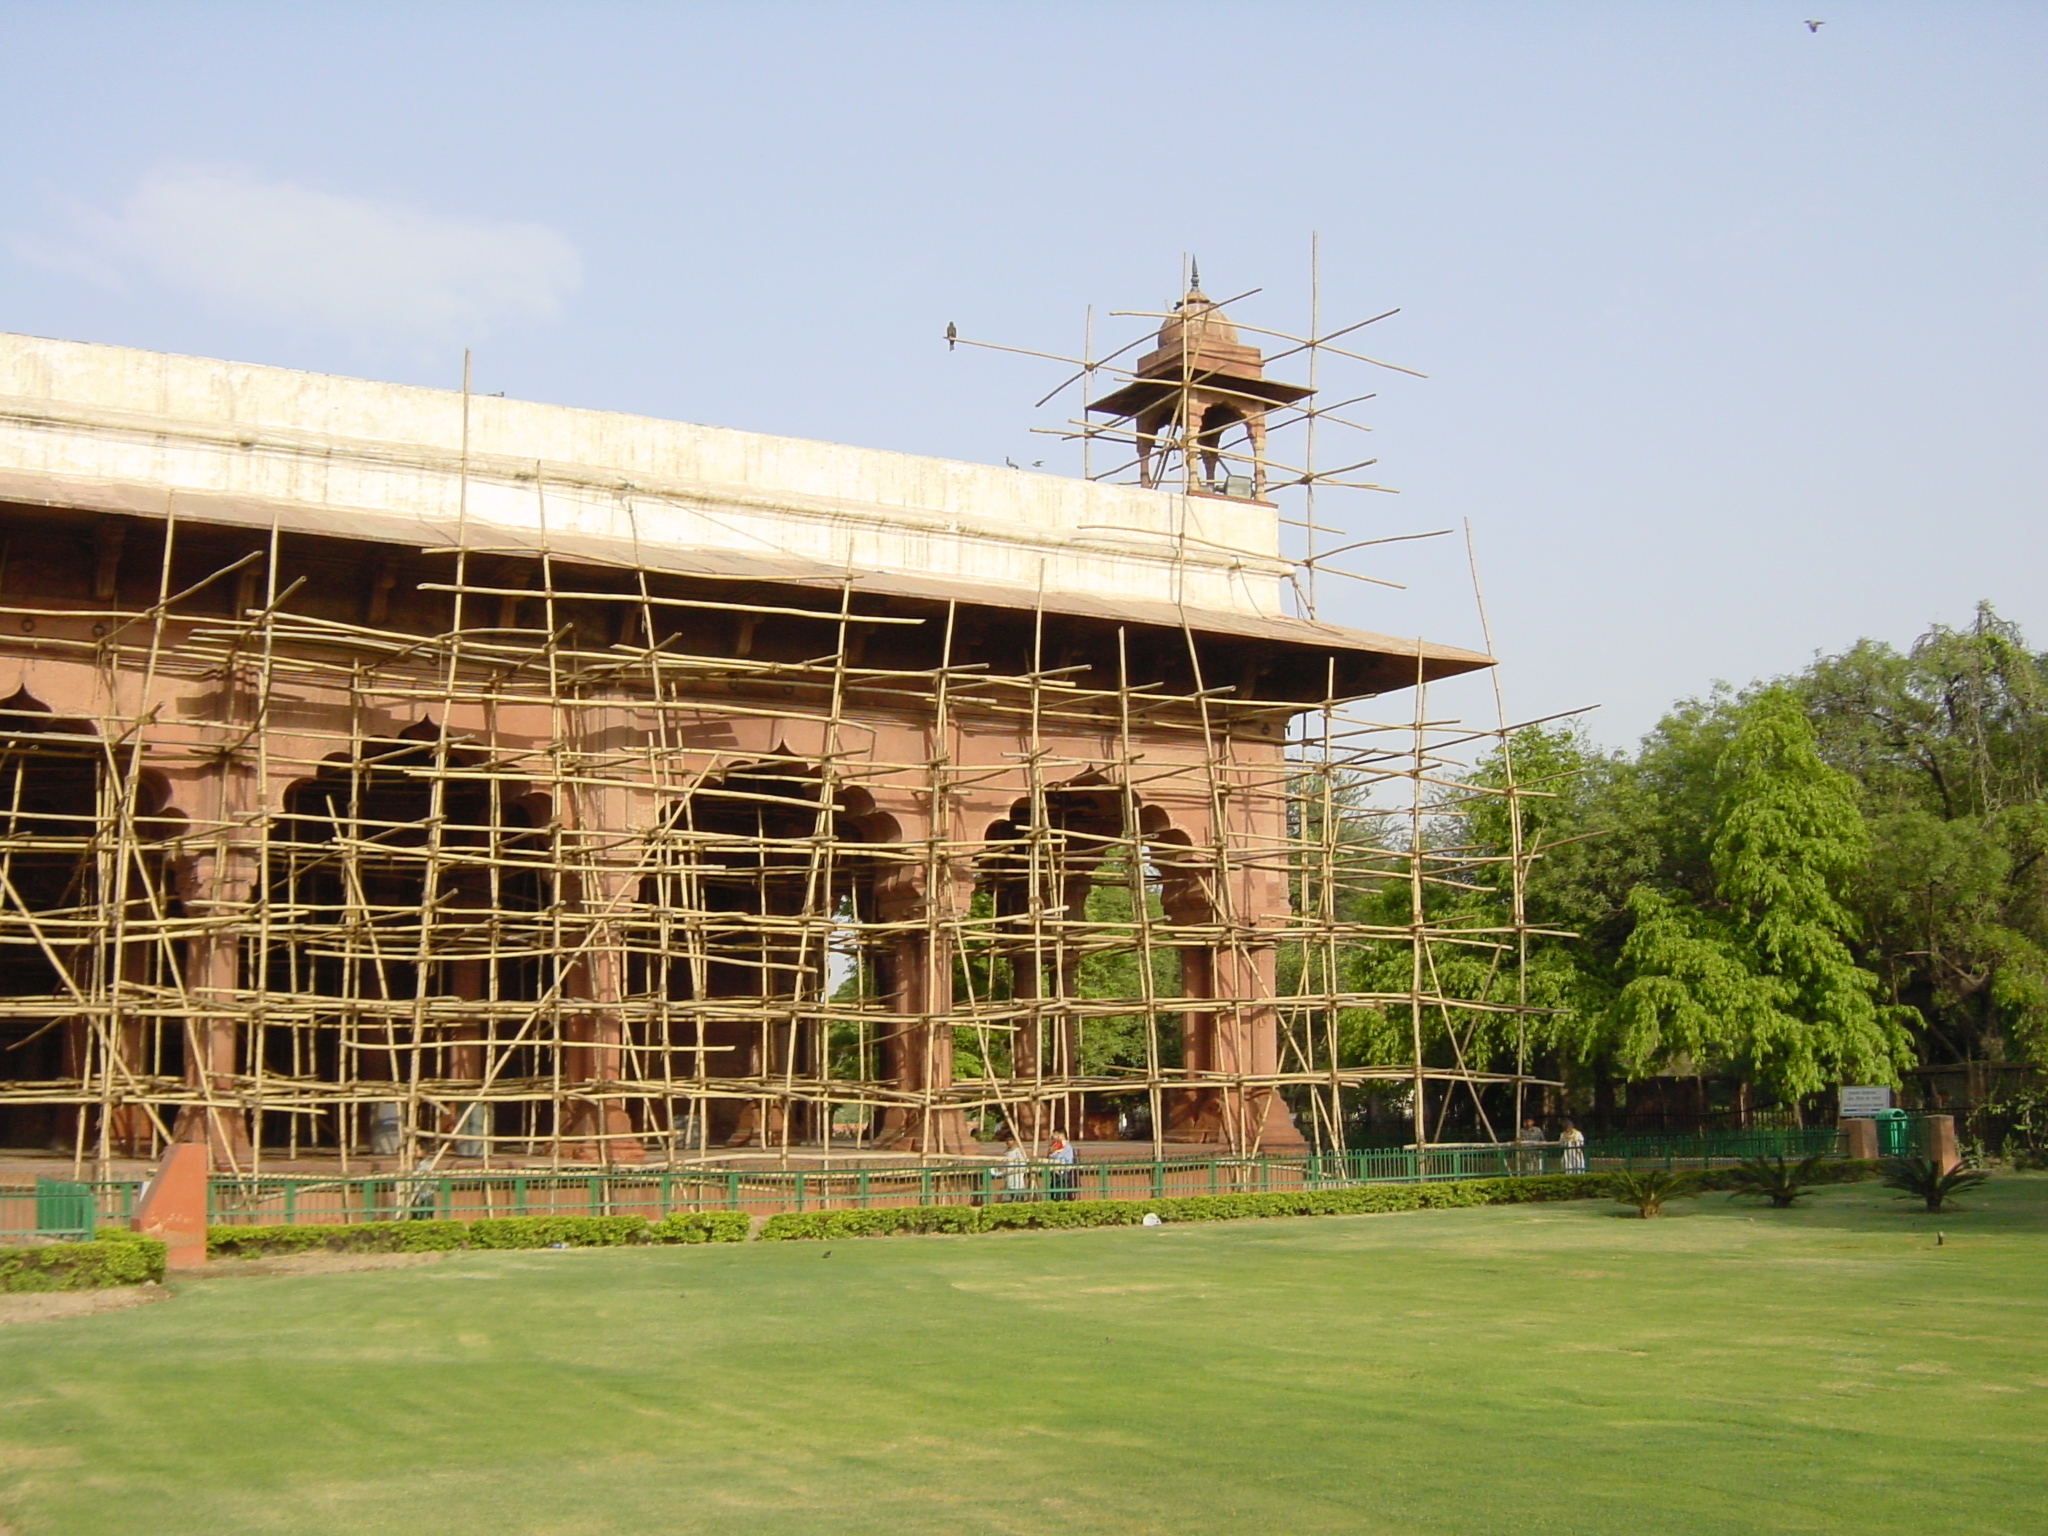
[1190, 391]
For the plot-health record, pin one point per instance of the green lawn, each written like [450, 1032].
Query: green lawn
[1528, 1370]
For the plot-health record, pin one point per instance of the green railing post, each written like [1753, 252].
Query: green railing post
[863, 1189]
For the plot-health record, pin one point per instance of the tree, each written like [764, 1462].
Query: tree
[1949, 743]
[1758, 969]
[1774, 884]
[1585, 845]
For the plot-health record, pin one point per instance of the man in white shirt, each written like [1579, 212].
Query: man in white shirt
[1016, 1170]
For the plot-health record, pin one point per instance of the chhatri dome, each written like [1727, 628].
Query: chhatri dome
[1197, 323]
[1191, 389]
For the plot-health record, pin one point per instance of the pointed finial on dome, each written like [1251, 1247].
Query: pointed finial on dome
[1194, 273]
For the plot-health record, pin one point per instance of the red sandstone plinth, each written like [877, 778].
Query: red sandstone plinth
[172, 1206]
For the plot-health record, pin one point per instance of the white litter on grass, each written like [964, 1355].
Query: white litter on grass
[1151, 1219]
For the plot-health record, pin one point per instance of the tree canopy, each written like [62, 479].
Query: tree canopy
[1819, 878]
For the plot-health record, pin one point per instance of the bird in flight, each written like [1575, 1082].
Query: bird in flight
[952, 335]
[1815, 26]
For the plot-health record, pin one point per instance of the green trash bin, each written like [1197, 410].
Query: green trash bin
[1894, 1133]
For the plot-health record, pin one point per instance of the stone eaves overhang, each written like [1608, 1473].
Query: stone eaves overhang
[1367, 663]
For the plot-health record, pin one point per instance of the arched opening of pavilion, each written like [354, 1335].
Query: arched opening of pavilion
[407, 939]
[755, 988]
[1094, 944]
[88, 945]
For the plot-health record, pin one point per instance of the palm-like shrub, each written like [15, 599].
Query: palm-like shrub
[1921, 1178]
[1775, 1180]
[1648, 1188]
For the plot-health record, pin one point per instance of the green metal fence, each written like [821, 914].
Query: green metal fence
[63, 1208]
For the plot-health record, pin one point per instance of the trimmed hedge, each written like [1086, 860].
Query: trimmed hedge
[548, 1231]
[112, 1257]
[1351, 1200]
[700, 1227]
[339, 1237]
[888, 1221]
[490, 1232]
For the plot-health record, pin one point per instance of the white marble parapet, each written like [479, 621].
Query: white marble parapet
[125, 429]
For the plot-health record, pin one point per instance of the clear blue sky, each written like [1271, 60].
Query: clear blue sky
[1735, 330]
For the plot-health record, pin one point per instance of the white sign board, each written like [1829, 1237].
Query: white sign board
[1865, 1101]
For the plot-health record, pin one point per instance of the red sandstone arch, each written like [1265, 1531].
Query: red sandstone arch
[748, 876]
[1039, 868]
[86, 908]
[403, 871]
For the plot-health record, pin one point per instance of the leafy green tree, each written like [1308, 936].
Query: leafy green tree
[1949, 743]
[1953, 908]
[1771, 886]
[1957, 726]
[1585, 845]
[1758, 969]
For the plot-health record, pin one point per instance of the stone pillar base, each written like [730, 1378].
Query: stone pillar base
[1941, 1142]
[938, 1132]
[172, 1207]
[223, 1132]
[581, 1143]
[1859, 1138]
[1208, 1117]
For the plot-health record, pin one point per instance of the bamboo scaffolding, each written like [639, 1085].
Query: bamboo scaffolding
[398, 1042]
[483, 891]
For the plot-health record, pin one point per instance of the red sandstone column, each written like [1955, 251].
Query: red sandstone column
[470, 980]
[917, 1052]
[1238, 1038]
[1247, 1045]
[220, 884]
[1194, 1114]
[596, 1127]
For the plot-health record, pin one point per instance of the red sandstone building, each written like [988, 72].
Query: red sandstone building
[391, 771]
